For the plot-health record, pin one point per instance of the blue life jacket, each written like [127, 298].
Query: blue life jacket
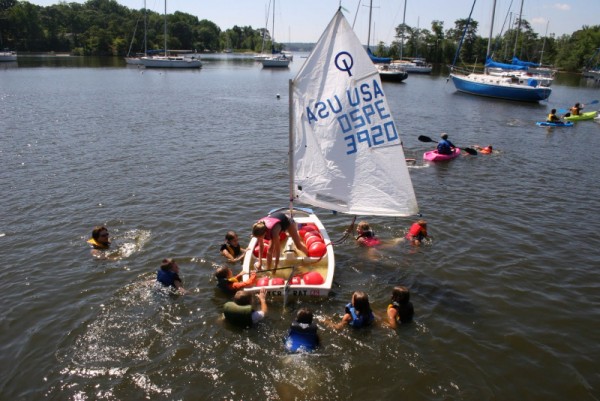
[359, 320]
[166, 277]
[444, 147]
[302, 337]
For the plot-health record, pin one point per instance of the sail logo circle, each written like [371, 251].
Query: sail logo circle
[344, 62]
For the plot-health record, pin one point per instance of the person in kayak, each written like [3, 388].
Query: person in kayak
[270, 228]
[401, 309]
[231, 249]
[445, 147]
[553, 118]
[366, 236]
[576, 110]
[168, 275]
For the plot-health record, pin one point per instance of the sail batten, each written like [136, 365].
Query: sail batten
[347, 150]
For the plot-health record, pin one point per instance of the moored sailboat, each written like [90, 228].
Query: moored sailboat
[502, 87]
[169, 61]
[339, 159]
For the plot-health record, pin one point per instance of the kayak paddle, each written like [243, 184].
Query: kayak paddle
[585, 104]
[424, 138]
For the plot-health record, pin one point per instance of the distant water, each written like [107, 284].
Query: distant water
[507, 296]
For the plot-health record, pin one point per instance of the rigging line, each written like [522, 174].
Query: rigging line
[463, 36]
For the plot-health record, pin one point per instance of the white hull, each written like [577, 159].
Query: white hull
[133, 60]
[170, 62]
[275, 62]
[8, 56]
[295, 265]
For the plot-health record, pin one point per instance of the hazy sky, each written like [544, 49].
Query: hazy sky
[305, 20]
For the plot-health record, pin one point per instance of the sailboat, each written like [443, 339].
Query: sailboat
[168, 61]
[387, 71]
[275, 61]
[345, 154]
[502, 87]
[415, 65]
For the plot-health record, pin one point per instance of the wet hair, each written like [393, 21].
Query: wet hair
[222, 272]
[230, 235]
[422, 223]
[360, 301]
[490, 147]
[242, 298]
[167, 264]
[97, 230]
[401, 295]
[364, 226]
[304, 316]
[553, 111]
[577, 104]
[259, 229]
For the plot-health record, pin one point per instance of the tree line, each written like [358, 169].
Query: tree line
[106, 28]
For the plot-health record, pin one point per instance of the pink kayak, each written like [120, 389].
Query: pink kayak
[434, 156]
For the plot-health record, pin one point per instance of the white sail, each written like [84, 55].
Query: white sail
[348, 153]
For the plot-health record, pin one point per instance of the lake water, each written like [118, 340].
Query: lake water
[507, 295]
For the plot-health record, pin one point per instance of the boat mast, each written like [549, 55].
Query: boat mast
[489, 46]
[518, 29]
[165, 28]
[145, 31]
[291, 143]
[273, 34]
[402, 31]
[544, 43]
[369, 34]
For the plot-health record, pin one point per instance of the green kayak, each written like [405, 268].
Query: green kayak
[585, 116]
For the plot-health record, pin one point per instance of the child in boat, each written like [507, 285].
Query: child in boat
[240, 311]
[99, 242]
[445, 147]
[168, 275]
[302, 335]
[358, 313]
[231, 284]
[576, 110]
[231, 249]
[366, 236]
[270, 228]
[552, 117]
[401, 309]
[417, 232]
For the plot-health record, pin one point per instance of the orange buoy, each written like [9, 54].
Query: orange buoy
[277, 281]
[313, 278]
[311, 240]
[317, 249]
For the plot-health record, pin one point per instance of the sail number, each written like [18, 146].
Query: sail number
[359, 121]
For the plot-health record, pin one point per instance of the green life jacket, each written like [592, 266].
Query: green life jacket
[240, 315]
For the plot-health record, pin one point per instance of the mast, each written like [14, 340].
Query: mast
[291, 143]
[402, 32]
[369, 34]
[489, 46]
[518, 29]
[165, 28]
[544, 43]
[273, 34]
[145, 31]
